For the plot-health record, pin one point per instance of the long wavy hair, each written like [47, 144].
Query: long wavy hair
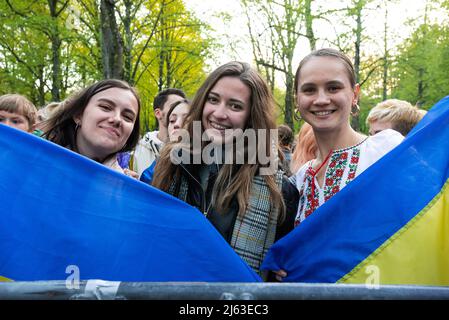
[233, 181]
[60, 128]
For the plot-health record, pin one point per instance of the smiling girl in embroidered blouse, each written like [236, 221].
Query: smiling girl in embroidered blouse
[326, 93]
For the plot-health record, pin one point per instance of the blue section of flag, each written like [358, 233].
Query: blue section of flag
[362, 216]
[60, 209]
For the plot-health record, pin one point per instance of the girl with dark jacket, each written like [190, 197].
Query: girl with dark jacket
[220, 163]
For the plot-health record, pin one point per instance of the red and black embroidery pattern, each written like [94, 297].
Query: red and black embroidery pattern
[340, 171]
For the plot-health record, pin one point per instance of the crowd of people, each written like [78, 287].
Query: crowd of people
[222, 167]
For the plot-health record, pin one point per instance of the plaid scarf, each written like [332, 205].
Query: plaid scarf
[254, 233]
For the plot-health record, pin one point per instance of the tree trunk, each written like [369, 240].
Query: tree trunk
[55, 51]
[420, 87]
[112, 42]
[358, 42]
[292, 20]
[160, 83]
[128, 42]
[355, 121]
[421, 71]
[288, 115]
[169, 68]
[309, 24]
[41, 86]
[162, 52]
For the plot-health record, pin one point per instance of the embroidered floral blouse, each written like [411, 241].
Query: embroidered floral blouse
[344, 166]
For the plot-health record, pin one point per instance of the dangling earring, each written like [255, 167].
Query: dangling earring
[297, 115]
[77, 126]
[355, 110]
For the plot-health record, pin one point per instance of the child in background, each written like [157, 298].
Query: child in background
[18, 112]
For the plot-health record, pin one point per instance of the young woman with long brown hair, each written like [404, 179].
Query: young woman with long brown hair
[98, 122]
[250, 207]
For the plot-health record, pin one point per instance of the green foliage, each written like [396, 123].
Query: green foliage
[420, 69]
[417, 71]
[165, 46]
[26, 55]
[279, 97]
[172, 45]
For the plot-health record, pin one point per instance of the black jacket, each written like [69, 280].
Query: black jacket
[200, 198]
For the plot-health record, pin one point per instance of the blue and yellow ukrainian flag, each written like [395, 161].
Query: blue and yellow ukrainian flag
[62, 212]
[392, 221]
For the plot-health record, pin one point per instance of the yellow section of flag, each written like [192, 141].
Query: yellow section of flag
[3, 279]
[418, 254]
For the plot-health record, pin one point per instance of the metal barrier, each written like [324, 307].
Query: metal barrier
[107, 290]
